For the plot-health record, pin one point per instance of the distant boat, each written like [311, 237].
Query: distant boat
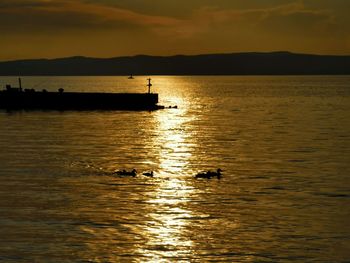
[130, 77]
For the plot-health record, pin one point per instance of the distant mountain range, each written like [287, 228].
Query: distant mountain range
[275, 63]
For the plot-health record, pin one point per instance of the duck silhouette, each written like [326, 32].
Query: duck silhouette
[126, 173]
[148, 174]
[209, 174]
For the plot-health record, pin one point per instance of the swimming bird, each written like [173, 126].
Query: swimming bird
[209, 174]
[148, 174]
[126, 173]
[217, 173]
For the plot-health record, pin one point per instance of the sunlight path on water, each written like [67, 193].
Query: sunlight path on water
[168, 209]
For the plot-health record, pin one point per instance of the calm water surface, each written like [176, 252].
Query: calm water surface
[283, 143]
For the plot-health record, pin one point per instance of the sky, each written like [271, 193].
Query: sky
[111, 28]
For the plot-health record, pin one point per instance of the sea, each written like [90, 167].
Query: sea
[283, 143]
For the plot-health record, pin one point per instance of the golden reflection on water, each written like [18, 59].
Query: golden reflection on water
[172, 138]
[165, 230]
[168, 209]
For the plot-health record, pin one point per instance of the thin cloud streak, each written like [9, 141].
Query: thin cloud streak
[64, 13]
[95, 14]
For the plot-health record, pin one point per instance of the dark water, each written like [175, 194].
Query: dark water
[283, 143]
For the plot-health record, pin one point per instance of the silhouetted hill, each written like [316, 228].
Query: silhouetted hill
[275, 63]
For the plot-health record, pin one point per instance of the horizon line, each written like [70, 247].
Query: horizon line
[176, 55]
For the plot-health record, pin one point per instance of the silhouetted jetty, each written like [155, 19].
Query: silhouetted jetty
[16, 98]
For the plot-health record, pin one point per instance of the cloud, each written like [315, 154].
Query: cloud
[284, 15]
[297, 19]
[96, 28]
[72, 14]
[288, 18]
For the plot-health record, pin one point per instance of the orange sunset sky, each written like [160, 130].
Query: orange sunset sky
[110, 28]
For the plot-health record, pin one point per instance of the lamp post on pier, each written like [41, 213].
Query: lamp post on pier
[149, 85]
